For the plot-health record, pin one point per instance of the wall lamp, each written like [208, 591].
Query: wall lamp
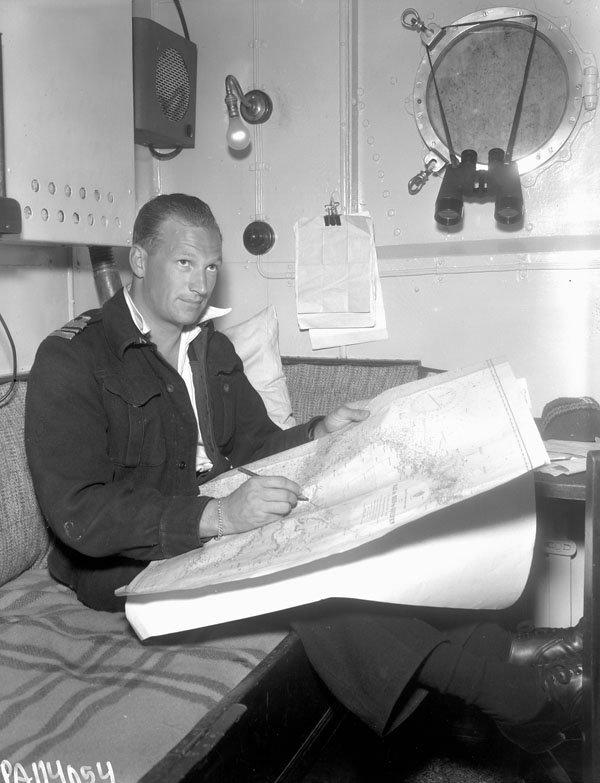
[255, 107]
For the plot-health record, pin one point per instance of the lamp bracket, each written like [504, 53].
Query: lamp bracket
[256, 107]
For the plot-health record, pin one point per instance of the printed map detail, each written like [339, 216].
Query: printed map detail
[426, 445]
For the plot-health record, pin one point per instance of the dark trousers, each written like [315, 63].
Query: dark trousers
[368, 655]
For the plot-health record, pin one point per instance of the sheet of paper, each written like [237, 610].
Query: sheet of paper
[333, 338]
[475, 554]
[335, 280]
[567, 457]
[426, 446]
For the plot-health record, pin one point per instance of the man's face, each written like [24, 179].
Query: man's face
[179, 274]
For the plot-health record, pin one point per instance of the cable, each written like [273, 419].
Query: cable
[182, 19]
[519, 109]
[174, 152]
[441, 271]
[164, 155]
[14, 359]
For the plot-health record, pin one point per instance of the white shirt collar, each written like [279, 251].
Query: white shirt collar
[138, 319]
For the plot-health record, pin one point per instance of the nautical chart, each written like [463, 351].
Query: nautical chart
[426, 446]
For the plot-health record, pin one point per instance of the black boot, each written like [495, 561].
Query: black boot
[544, 645]
[560, 717]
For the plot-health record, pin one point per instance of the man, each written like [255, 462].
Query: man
[132, 408]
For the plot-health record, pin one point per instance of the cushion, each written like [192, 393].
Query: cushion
[23, 533]
[256, 342]
[318, 386]
[78, 686]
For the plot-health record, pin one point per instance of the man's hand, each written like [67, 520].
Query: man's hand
[266, 499]
[339, 419]
[255, 503]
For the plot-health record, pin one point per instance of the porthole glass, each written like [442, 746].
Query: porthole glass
[479, 69]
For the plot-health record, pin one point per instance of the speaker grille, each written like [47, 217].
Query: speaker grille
[172, 83]
[164, 85]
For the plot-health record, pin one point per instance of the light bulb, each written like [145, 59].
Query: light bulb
[238, 136]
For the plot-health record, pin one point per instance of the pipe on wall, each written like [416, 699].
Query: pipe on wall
[106, 275]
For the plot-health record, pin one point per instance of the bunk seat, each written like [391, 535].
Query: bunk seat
[78, 686]
[81, 695]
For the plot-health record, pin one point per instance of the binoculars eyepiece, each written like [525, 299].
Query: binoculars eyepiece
[500, 181]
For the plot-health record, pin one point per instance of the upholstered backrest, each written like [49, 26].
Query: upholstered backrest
[23, 534]
[317, 386]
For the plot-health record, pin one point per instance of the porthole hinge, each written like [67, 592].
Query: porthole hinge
[590, 87]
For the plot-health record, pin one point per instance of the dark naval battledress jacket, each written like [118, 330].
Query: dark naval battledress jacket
[111, 441]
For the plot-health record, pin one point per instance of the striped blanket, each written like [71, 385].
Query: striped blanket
[81, 695]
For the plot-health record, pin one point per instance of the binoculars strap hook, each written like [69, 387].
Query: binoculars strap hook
[416, 183]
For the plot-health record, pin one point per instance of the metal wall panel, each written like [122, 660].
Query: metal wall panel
[68, 105]
[452, 298]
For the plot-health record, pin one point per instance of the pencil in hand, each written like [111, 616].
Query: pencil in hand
[257, 475]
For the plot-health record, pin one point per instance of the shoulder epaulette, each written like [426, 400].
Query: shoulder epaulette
[74, 327]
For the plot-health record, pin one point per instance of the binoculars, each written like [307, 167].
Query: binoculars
[463, 180]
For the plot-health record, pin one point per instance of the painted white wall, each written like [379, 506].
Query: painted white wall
[543, 312]
[68, 139]
[290, 49]
[341, 75]
[35, 291]
[450, 299]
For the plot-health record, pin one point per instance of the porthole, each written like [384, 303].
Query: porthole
[479, 65]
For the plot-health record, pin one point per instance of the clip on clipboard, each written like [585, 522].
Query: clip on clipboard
[332, 217]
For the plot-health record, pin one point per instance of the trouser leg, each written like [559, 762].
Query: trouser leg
[368, 658]
[381, 662]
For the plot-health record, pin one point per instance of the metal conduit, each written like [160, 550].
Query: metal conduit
[106, 275]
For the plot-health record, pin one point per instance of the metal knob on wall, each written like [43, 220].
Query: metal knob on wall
[258, 238]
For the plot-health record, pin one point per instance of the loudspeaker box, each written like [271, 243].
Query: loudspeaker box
[164, 86]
